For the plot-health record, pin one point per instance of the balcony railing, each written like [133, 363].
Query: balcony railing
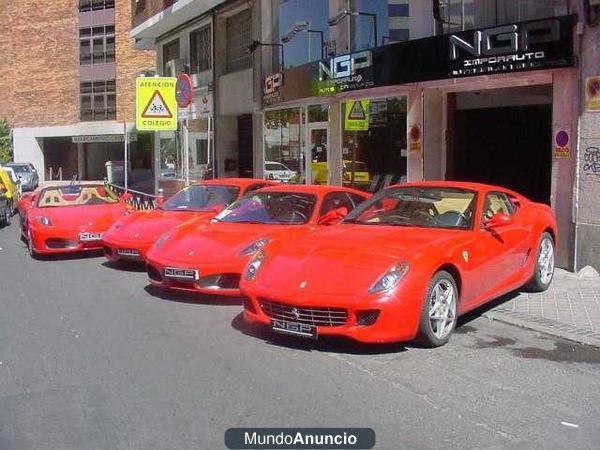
[457, 15]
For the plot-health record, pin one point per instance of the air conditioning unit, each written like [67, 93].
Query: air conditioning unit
[175, 67]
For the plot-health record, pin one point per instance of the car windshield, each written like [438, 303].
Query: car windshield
[430, 207]
[58, 196]
[20, 168]
[277, 208]
[276, 167]
[201, 198]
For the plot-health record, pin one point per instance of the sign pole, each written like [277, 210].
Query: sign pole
[209, 146]
[126, 156]
[186, 152]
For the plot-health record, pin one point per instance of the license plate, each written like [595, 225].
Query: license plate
[89, 237]
[182, 274]
[128, 252]
[294, 328]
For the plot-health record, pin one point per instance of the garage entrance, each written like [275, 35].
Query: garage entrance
[502, 137]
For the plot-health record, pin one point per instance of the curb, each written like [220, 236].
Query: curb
[562, 330]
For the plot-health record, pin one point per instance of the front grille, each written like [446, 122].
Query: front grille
[154, 273]
[61, 243]
[323, 316]
[220, 281]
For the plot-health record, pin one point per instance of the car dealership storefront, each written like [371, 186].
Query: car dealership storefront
[495, 105]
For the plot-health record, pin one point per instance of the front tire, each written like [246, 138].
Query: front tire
[438, 317]
[32, 252]
[543, 273]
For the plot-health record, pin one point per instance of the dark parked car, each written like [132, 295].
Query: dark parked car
[27, 174]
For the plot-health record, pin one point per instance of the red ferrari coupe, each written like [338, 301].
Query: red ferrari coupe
[132, 236]
[405, 264]
[209, 257]
[65, 219]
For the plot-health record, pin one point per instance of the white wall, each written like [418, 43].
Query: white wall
[27, 148]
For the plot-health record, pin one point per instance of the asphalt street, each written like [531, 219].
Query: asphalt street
[92, 358]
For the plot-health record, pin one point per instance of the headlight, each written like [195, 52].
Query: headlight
[390, 279]
[254, 265]
[161, 240]
[44, 221]
[254, 247]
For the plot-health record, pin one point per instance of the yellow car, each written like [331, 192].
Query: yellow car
[5, 207]
[319, 172]
[361, 174]
[12, 194]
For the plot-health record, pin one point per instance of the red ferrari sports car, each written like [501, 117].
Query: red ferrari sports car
[403, 265]
[209, 257]
[132, 236]
[65, 219]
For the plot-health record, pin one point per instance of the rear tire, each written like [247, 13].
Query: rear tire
[438, 316]
[7, 215]
[543, 273]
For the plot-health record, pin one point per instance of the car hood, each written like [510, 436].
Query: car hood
[343, 259]
[195, 243]
[96, 217]
[148, 226]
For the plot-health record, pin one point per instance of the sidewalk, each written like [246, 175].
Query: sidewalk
[569, 309]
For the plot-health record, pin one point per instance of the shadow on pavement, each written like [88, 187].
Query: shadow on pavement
[184, 297]
[70, 256]
[323, 344]
[478, 312]
[125, 266]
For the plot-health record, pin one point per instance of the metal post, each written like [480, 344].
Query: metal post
[186, 151]
[209, 148]
[126, 156]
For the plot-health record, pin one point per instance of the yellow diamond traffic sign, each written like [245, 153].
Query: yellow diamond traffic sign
[356, 117]
[156, 104]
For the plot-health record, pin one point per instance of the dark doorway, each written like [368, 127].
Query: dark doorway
[246, 166]
[506, 146]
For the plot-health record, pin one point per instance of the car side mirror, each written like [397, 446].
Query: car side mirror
[333, 216]
[498, 220]
[160, 198]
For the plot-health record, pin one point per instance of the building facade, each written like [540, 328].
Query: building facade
[69, 82]
[367, 93]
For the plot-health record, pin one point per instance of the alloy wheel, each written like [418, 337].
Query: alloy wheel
[442, 308]
[546, 260]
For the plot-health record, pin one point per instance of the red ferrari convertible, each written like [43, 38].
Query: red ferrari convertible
[65, 219]
[209, 257]
[132, 236]
[403, 265]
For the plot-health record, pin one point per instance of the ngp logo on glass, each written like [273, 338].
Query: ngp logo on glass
[300, 438]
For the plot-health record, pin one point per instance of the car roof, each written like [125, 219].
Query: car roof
[313, 189]
[240, 182]
[478, 187]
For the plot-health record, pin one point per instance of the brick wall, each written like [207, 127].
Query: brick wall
[40, 69]
[6, 102]
[144, 9]
[129, 62]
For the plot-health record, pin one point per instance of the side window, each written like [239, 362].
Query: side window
[254, 187]
[495, 203]
[335, 200]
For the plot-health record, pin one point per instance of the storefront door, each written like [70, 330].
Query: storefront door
[317, 152]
